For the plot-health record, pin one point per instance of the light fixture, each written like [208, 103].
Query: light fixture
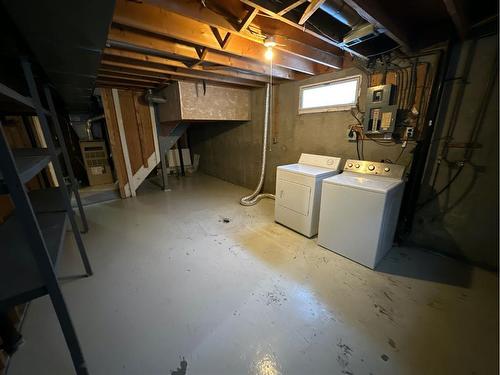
[269, 53]
[269, 43]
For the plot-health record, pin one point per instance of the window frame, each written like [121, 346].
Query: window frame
[335, 107]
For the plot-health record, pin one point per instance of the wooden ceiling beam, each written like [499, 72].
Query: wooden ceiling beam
[179, 72]
[138, 61]
[311, 8]
[292, 6]
[130, 70]
[248, 19]
[172, 50]
[117, 74]
[276, 16]
[162, 21]
[112, 82]
[373, 12]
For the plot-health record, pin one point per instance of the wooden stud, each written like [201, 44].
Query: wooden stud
[311, 8]
[292, 6]
[123, 140]
[248, 19]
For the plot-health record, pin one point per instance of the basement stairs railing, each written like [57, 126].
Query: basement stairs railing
[31, 239]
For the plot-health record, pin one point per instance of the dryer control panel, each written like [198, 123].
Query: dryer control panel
[374, 168]
[323, 161]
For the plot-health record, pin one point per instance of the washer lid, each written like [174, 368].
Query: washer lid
[377, 184]
[307, 170]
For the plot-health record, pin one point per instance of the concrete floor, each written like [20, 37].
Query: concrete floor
[173, 281]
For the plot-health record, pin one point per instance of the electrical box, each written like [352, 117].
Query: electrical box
[381, 112]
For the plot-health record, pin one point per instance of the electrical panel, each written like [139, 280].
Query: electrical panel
[381, 110]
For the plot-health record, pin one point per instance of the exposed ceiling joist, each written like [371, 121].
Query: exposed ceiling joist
[292, 6]
[120, 75]
[377, 16]
[113, 55]
[248, 19]
[311, 8]
[179, 72]
[259, 5]
[128, 40]
[148, 18]
[218, 23]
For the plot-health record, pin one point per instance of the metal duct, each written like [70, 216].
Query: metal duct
[153, 99]
[342, 12]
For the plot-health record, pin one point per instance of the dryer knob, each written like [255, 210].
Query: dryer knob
[387, 169]
[349, 165]
[371, 167]
[357, 165]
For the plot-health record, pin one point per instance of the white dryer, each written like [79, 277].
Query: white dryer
[359, 210]
[298, 191]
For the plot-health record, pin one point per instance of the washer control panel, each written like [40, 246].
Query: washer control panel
[374, 168]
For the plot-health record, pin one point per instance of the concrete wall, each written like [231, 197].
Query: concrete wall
[232, 151]
[463, 220]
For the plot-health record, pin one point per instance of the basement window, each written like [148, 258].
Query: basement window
[338, 95]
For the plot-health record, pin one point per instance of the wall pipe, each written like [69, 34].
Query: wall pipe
[253, 198]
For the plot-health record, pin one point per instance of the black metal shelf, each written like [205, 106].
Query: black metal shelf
[23, 103]
[20, 280]
[48, 200]
[32, 239]
[29, 162]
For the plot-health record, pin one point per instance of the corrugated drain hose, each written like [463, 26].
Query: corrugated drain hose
[253, 198]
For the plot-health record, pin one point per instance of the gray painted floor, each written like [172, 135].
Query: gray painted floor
[173, 281]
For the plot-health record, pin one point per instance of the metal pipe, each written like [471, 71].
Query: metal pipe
[88, 126]
[253, 198]
[339, 10]
[153, 99]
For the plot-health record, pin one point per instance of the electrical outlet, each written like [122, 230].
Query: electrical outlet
[409, 132]
[351, 135]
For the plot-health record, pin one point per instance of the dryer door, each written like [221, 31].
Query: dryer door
[293, 196]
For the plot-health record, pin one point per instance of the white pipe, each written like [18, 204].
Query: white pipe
[253, 198]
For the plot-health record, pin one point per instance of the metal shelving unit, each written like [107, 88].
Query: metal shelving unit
[32, 239]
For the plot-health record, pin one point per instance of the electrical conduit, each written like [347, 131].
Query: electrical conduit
[253, 198]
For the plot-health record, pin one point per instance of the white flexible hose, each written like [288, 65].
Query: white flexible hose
[253, 198]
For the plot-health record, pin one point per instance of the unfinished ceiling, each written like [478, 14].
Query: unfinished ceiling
[152, 42]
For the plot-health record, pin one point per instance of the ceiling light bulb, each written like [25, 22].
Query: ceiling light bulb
[269, 53]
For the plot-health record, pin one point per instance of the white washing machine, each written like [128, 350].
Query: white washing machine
[298, 191]
[359, 210]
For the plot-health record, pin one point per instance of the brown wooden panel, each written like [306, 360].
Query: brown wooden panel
[131, 129]
[143, 115]
[114, 139]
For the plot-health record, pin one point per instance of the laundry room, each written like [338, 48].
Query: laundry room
[257, 187]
